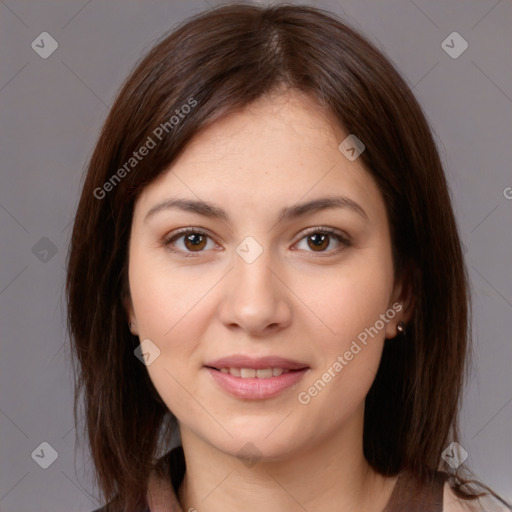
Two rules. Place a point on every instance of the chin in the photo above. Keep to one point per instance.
(255, 444)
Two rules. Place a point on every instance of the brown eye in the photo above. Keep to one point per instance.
(195, 241)
(320, 241)
(188, 241)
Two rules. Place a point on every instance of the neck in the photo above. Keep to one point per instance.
(330, 476)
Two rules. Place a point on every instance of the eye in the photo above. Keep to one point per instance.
(194, 240)
(320, 238)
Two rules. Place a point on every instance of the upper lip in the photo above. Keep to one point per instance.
(258, 363)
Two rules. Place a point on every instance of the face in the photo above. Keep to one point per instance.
(271, 311)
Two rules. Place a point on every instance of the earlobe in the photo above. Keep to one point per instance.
(401, 329)
(128, 307)
(403, 295)
(396, 328)
(132, 323)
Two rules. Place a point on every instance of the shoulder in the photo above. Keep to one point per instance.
(452, 503)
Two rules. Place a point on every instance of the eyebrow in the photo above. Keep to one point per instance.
(291, 212)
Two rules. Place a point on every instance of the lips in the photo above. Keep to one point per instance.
(256, 378)
(256, 363)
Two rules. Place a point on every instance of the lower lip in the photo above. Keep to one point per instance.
(254, 388)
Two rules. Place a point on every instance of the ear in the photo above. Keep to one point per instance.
(402, 302)
(130, 313)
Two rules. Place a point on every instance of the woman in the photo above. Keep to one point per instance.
(265, 259)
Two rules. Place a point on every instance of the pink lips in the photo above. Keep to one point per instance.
(241, 361)
(256, 388)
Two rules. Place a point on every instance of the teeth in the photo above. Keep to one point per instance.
(264, 374)
(251, 373)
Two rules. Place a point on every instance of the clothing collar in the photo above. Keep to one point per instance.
(165, 480)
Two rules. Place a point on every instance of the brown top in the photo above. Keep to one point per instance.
(406, 497)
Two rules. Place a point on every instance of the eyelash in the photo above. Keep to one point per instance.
(167, 241)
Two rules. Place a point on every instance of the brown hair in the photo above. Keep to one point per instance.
(223, 60)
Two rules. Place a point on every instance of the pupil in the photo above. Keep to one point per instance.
(197, 237)
(318, 239)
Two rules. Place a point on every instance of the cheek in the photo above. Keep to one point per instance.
(165, 307)
(349, 359)
(350, 299)
(350, 304)
(163, 298)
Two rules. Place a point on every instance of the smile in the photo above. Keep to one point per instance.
(248, 373)
(255, 384)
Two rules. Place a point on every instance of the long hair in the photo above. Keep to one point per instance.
(217, 63)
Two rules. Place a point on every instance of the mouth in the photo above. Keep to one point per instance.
(256, 378)
(251, 373)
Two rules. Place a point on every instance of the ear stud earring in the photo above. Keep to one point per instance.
(400, 329)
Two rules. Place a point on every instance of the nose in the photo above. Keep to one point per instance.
(255, 298)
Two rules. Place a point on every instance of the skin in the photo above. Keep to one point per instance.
(292, 301)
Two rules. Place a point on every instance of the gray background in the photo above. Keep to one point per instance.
(51, 112)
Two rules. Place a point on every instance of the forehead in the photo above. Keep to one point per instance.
(278, 150)
(288, 127)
